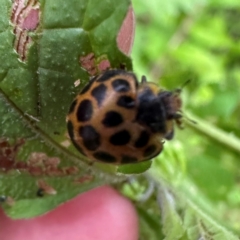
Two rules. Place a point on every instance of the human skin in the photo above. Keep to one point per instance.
(101, 214)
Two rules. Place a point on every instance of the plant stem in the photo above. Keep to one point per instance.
(227, 140)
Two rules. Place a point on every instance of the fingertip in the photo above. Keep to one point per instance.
(101, 213)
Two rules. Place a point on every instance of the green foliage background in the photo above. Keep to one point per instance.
(178, 40)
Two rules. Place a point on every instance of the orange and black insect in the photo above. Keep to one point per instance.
(115, 119)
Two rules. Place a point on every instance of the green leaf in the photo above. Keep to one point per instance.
(199, 225)
(184, 218)
(134, 168)
(150, 228)
(41, 59)
(171, 221)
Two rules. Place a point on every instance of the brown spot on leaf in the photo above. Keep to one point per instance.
(88, 63)
(38, 163)
(94, 66)
(25, 19)
(10, 201)
(8, 154)
(70, 170)
(45, 187)
(7, 200)
(41, 164)
(104, 65)
(84, 179)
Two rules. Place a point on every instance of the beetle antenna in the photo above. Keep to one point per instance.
(185, 84)
(179, 90)
(188, 119)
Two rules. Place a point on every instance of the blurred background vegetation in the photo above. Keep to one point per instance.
(178, 40)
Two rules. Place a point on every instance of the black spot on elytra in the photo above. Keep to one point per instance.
(104, 157)
(126, 102)
(120, 138)
(71, 135)
(121, 85)
(88, 86)
(128, 159)
(117, 72)
(72, 107)
(91, 138)
(142, 140)
(99, 93)
(112, 119)
(85, 110)
(149, 151)
(107, 75)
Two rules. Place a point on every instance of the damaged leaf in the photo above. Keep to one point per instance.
(48, 51)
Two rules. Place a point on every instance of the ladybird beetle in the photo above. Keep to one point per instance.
(115, 119)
